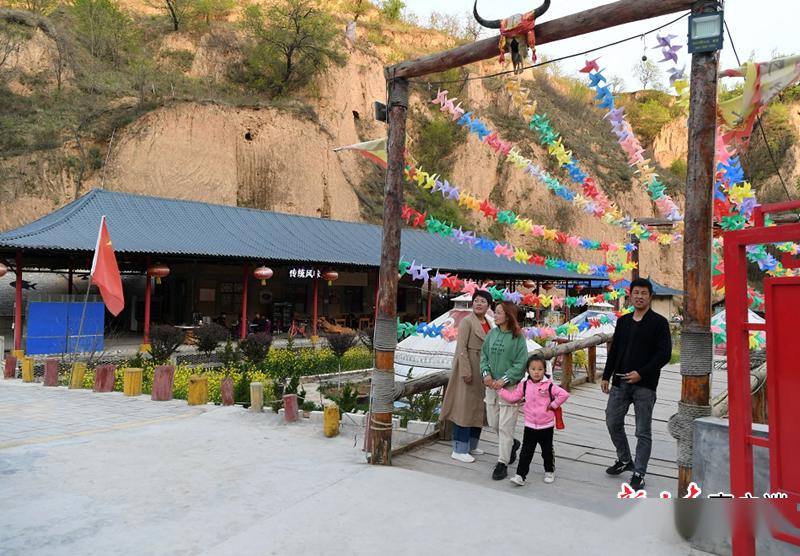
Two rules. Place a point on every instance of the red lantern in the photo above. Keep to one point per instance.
(158, 271)
(547, 286)
(609, 288)
(3, 270)
(530, 284)
(330, 276)
(579, 287)
(263, 273)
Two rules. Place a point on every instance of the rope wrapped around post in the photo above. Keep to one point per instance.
(696, 360)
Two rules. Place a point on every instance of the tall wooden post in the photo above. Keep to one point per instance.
(696, 340)
(382, 395)
(243, 323)
(70, 277)
(18, 305)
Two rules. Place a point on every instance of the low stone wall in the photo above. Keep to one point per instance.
(711, 472)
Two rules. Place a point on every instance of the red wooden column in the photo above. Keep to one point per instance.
(18, 305)
(148, 291)
(314, 313)
(430, 295)
(245, 280)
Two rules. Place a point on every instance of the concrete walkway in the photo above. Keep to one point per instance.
(100, 474)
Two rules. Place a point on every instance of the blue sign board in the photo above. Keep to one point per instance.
(53, 327)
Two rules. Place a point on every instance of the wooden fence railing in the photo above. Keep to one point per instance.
(566, 350)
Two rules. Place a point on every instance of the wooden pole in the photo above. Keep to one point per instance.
(69, 278)
(602, 17)
(381, 398)
(18, 305)
(696, 344)
(243, 323)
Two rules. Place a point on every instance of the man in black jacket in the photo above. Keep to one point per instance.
(641, 347)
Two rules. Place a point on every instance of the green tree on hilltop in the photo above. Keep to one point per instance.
(290, 43)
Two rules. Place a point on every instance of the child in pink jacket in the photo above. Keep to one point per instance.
(541, 397)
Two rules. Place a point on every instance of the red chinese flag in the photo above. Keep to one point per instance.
(105, 272)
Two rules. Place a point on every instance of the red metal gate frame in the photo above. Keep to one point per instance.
(739, 398)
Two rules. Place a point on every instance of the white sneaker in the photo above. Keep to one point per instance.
(477, 452)
(466, 458)
(517, 480)
(549, 477)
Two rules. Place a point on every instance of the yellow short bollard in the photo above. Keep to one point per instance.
(132, 382)
(18, 353)
(330, 420)
(256, 397)
(198, 390)
(27, 369)
(78, 372)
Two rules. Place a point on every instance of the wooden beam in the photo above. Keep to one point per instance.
(595, 19)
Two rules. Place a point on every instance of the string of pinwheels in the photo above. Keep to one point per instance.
(434, 226)
(589, 201)
(485, 208)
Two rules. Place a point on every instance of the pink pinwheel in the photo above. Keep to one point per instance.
(441, 97)
(469, 287)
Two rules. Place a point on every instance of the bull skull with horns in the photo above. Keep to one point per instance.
(516, 33)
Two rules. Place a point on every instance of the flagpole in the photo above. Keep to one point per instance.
(85, 300)
(80, 328)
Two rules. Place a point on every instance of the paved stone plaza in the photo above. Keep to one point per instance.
(85, 473)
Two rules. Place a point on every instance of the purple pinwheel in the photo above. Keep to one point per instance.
(670, 53)
(616, 116)
(675, 74)
(437, 186)
(438, 278)
(454, 194)
(515, 297)
(458, 235)
(419, 272)
(665, 41)
(446, 189)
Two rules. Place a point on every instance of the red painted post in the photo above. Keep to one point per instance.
(148, 291)
(51, 372)
(226, 387)
(104, 378)
(290, 408)
(163, 382)
(314, 314)
(18, 305)
(10, 370)
(245, 279)
(430, 295)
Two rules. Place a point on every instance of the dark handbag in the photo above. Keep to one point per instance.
(557, 411)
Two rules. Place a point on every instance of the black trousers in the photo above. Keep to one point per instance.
(532, 437)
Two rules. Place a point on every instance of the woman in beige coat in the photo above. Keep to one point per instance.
(463, 401)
